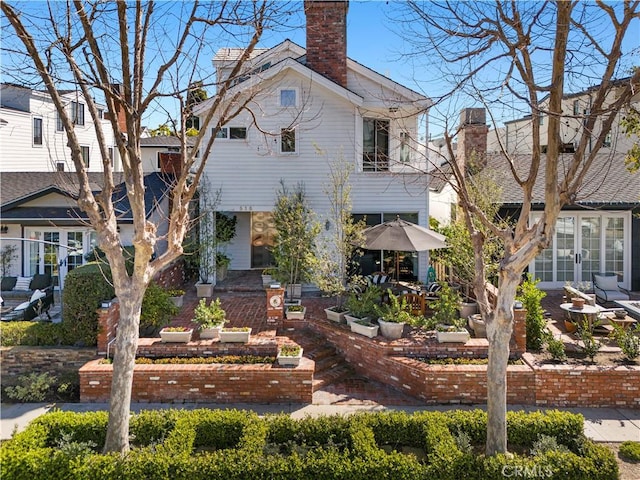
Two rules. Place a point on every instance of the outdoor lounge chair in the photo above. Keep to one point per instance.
(607, 289)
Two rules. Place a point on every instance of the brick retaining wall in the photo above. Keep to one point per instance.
(18, 361)
(204, 383)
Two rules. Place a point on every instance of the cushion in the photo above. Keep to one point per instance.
(8, 283)
(40, 281)
(22, 283)
(36, 295)
(378, 279)
(22, 306)
(434, 287)
(609, 282)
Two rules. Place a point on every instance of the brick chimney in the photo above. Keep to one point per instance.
(170, 162)
(120, 116)
(472, 138)
(327, 38)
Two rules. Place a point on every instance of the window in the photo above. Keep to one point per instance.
(101, 113)
(287, 140)
(607, 140)
(404, 148)
(232, 133)
(77, 113)
(59, 125)
(110, 150)
(375, 145)
(85, 155)
(541, 120)
(576, 107)
(287, 98)
(37, 131)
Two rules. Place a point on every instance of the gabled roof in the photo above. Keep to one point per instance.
(19, 188)
(297, 62)
(608, 182)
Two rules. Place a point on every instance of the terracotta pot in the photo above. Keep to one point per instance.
(577, 302)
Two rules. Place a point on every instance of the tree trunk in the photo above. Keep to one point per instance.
(117, 439)
(499, 330)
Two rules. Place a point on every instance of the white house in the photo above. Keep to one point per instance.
(311, 107)
(32, 137)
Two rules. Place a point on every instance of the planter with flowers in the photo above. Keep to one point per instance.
(295, 312)
(449, 326)
(235, 334)
(289, 355)
(210, 318)
(176, 296)
(176, 334)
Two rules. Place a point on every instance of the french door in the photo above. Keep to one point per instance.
(55, 251)
(585, 243)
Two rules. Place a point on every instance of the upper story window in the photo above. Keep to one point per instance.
(375, 145)
(85, 155)
(101, 113)
(288, 97)
(59, 124)
(232, 133)
(77, 113)
(405, 151)
(288, 140)
(607, 140)
(110, 152)
(576, 107)
(37, 131)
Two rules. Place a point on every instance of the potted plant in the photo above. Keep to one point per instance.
(176, 295)
(294, 242)
(364, 327)
(362, 306)
(210, 318)
(295, 312)
(216, 229)
(339, 242)
(478, 325)
(289, 355)
(453, 332)
(267, 277)
(449, 326)
(235, 334)
(176, 334)
(157, 310)
(393, 316)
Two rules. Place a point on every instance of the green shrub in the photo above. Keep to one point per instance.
(524, 428)
(157, 307)
(630, 450)
(85, 288)
(34, 387)
(531, 296)
(235, 445)
(34, 334)
(628, 340)
(555, 347)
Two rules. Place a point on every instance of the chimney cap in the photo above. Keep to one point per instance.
(473, 116)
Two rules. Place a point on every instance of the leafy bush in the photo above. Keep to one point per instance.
(157, 307)
(555, 347)
(85, 288)
(531, 297)
(628, 340)
(32, 388)
(630, 450)
(234, 445)
(34, 334)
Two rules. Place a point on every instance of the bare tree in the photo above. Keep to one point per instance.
(137, 56)
(505, 54)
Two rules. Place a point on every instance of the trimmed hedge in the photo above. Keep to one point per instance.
(34, 334)
(235, 445)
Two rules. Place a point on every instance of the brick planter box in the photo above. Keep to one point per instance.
(204, 383)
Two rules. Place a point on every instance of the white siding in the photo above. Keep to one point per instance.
(19, 154)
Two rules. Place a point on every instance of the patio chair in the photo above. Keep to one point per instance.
(607, 289)
(415, 303)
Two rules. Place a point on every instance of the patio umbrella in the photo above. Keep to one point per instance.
(401, 236)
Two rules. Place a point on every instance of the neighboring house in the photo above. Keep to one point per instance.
(598, 232)
(157, 150)
(313, 106)
(32, 137)
(575, 107)
(41, 206)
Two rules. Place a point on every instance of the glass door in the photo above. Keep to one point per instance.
(584, 244)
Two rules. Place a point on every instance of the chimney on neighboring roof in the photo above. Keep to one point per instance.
(120, 116)
(472, 139)
(327, 38)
